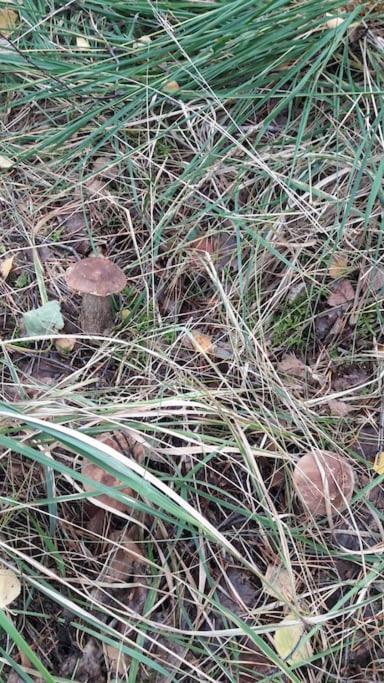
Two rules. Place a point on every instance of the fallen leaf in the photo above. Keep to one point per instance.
(281, 583)
(350, 377)
(291, 365)
(339, 408)
(252, 659)
(82, 43)
(287, 641)
(236, 590)
(10, 586)
(367, 442)
(172, 86)
(338, 267)
(200, 342)
(105, 166)
(124, 558)
(334, 22)
(221, 249)
(46, 319)
(65, 344)
(117, 661)
(143, 41)
(87, 666)
(8, 21)
(342, 293)
(6, 267)
(5, 162)
(373, 279)
(379, 463)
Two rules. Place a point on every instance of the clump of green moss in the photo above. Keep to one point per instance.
(290, 323)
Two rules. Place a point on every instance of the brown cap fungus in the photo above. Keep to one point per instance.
(95, 275)
(323, 480)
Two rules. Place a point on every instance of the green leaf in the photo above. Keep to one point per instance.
(290, 643)
(46, 319)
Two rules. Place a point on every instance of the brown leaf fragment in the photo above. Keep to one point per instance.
(349, 378)
(6, 266)
(339, 408)
(291, 365)
(87, 666)
(237, 590)
(373, 279)
(338, 267)
(255, 666)
(366, 444)
(116, 660)
(342, 293)
(106, 166)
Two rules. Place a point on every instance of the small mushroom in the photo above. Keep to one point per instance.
(323, 481)
(96, 278)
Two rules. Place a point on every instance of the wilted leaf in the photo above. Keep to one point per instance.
(6, 267)
(105, 166)
(82, 43)
(10, 586)
(338, 267)
(342, 293)
(350, 377)
(8, 21)
(291, 365)
(287, 641)
(339, 408)
(46, 319)
(65, 344)
(379, 463)
(373, 279)
(117, 661)
(5, 162)
(200, 342)
(87, 666)
(334, 22)
(172, 86)
(281, 583)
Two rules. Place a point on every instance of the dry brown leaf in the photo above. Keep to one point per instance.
(123, 559)
(347, 378)
(172, 86)
(117, 661)
(65, 344)
(373, 279)
(6, 266)
(338, 267)
(200, 342)
(291, 365)
(339, 408)
(8, 21)
(342, 293)
(87, 666)
(281, 583)
(105, 166)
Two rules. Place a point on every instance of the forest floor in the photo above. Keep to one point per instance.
(227, 155)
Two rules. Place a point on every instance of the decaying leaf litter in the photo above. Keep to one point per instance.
(192, 486)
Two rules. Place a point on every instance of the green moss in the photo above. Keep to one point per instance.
(289, 324)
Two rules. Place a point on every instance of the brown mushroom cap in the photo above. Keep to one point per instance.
(323, 480)
(95, 275)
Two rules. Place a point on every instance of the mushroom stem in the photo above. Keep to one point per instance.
(96, 315)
